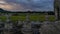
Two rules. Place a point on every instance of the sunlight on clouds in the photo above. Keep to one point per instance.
(2, 2)
(9, 6)
(25, 5)
(6, 7)
(12, 6)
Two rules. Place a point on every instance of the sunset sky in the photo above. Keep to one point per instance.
(24, 5)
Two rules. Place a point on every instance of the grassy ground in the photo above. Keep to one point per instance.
(32, 17)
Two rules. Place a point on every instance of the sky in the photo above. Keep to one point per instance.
(25, 5)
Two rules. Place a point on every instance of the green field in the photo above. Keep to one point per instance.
(31, 18)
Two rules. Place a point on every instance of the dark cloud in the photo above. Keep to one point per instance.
(46, 5)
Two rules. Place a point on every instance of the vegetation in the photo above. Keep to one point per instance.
(14, 18)
(3, 18)
(52, 18)
(22, 14)
(33, 18)
(37, 18)
(22, 18)
(42, 18)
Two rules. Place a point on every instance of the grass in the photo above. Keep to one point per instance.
(33, 17)
(3, 18)
(37, 18)
(52, 18)
(16, 18)
(22, 14)
(22, 18)
(42, 18)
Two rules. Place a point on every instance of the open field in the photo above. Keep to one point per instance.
(30, 17)
(22, 23)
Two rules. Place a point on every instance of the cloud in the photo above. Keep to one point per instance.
(10, 6)
(24, 5)
(6, 6)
